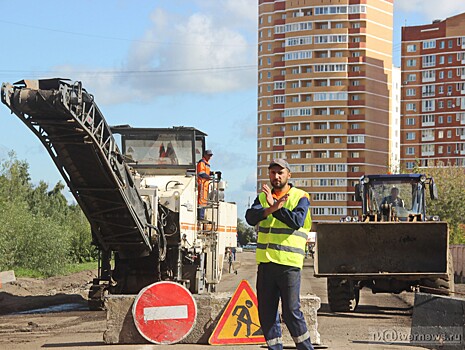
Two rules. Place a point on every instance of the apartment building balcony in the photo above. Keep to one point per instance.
(427, 94)
(462, 152)
(359, 59)
(278, 133)
(278, 106)
(429, 80)
(427, 153)
(279, 6)
(356, 131)
(425, 124)
(427, 138)
(279, 49)
(357, 15)
(278, 148)
(279, 64)
(355, 145)
(278, 120)
(462, 137)
(353, 204)
(358, 45)
(356, 102)
(279, 21)
(352, 88)
(357, 30)
(355, 160)
(357, 174)
(356, 74)
(356, 117)
(278, 78)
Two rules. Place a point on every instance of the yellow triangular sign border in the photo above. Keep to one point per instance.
(216, 339)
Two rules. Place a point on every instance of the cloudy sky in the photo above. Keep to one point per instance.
(155, 64)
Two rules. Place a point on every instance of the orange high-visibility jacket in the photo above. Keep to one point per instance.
(203, 181)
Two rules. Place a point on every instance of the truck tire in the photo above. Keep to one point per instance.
(440, 286)
(343, 296)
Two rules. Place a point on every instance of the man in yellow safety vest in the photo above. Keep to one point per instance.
(284, 221)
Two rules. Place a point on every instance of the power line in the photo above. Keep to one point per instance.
(95, 36)
(134, 72)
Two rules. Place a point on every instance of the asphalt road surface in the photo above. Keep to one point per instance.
(371, 326)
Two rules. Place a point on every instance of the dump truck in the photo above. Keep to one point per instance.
(136, 186)
(393, 247)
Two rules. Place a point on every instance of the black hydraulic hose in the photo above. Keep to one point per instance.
(162, 241)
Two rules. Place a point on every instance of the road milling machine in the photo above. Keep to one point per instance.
(393, 247)
(141, 201)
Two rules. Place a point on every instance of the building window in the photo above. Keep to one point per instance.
(429, 61)
(411, 63)
(411, 48)
(429, 44)
(410, 165)
(410, 151)
(411, 107)
(410, 121)
(410, 92)
(356, 139)
(427, 105)
(411, 77)
(410, 136)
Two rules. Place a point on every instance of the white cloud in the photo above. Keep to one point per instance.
(431, 9)
(182, 54)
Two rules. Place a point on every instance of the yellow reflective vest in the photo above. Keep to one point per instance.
(277, 242)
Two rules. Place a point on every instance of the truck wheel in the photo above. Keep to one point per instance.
(343, 296)
(442, 286)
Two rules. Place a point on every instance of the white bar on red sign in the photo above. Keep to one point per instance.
(165, 313)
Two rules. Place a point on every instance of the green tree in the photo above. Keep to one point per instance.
(450, 181)
(245, 233)
(39, 230)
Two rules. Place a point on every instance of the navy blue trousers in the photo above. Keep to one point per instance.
(276, 282)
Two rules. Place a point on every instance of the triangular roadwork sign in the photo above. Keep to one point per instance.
(239, 322)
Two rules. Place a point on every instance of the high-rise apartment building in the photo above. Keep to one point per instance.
(433, 93)
(324, 84)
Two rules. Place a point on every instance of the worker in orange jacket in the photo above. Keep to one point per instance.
(203, 181)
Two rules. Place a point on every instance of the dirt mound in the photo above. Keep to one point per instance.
(33, 293)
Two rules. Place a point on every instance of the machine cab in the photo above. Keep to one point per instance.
(161, 150)
(404, 193)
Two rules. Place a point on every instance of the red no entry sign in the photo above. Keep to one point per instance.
(164, 312)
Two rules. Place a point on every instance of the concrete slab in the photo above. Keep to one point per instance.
(7, 277)
(121, 329)
(438, 322)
